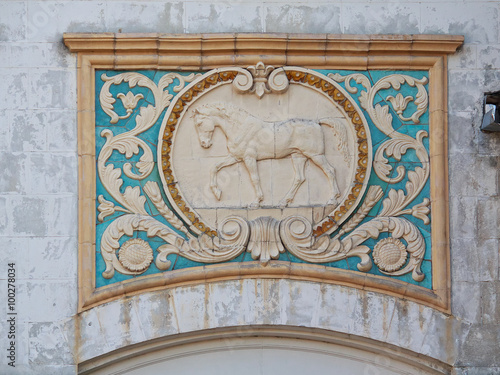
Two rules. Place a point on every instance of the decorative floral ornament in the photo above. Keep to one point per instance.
(420, 211)
(107, 208)
(399, 102)
(135, 255)
(130, 100)
(261, 79)
(389, 254)
(260, 73)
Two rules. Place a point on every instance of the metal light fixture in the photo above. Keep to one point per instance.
(491, 110)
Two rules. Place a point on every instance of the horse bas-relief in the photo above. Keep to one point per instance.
(250, 139)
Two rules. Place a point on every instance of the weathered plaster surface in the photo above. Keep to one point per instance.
(271, 302)
(38, 227)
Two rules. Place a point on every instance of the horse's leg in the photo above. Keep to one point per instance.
(299, 163)
(251, 164)
(329, 171)
(230, 160)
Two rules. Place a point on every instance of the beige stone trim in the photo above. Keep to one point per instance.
(438, 150)
(86, 179)
(274, 270)
(206, 51)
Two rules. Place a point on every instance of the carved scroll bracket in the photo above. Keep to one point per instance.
(261, 79)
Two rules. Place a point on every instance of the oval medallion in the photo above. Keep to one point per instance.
(264, 142)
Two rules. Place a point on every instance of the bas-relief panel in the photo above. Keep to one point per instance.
(327, 167)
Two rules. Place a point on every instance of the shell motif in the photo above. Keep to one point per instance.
(389, 254)
(135, 255)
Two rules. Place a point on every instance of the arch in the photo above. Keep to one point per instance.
(263, 350)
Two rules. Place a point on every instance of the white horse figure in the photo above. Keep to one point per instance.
(250, 139)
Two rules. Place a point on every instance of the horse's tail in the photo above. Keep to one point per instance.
(341, 133)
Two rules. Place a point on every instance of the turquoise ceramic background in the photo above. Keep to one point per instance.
(409, 160)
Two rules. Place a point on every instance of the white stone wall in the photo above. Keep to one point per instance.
(38, 182)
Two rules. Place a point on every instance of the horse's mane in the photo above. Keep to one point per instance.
(224, 110)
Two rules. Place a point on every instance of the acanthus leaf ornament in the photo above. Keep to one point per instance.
(297, 237)
(397, 201)
(265, 242)
(128, 143)
(399, 143)
(231, 241)
(127, 225)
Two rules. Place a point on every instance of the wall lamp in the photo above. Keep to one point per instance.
(491, 113)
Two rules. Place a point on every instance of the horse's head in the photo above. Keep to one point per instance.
(205, 122)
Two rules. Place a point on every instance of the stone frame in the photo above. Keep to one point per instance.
(204, 52)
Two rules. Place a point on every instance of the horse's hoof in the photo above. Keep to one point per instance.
(283, 203)
(217, 192)
(254, 205)
(333, 201)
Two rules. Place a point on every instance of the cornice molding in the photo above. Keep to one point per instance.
(205, 51)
